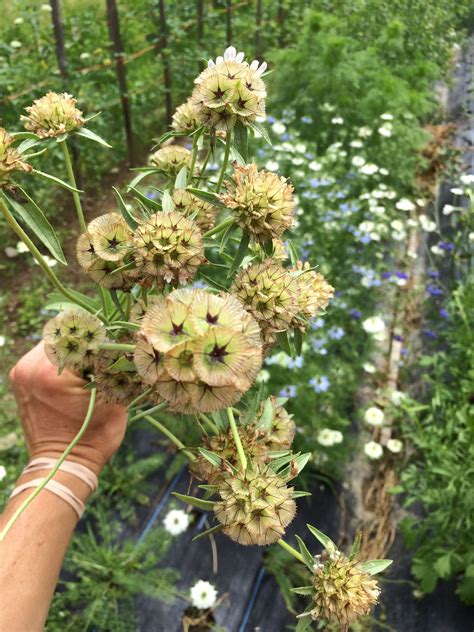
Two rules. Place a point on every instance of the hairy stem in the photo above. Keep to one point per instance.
(228, 144)
(291, 550)
(56, 467)
(72, 180)
(238, 442)
(181, 447)
(15, 226)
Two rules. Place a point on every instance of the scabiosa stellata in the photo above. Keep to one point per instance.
(255, 506)
(110, 236)
(72, 338)
(53, 115)
(203, 213)
(117, 384)
(262, 202)
(313, 293)
(168, 248)
(185, 118)
(170, 159)
(343, 590)
(10, 159)
(229, 90)
(268, 291)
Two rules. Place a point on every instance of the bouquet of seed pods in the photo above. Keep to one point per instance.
(195, 281)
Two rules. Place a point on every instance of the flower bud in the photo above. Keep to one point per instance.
(53, 115)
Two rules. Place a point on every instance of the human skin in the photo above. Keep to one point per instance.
(52, 408)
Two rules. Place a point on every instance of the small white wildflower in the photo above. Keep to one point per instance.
(383, 171)
(297, 161)
(314, 166)
(327, 437)
(467, 178)
(373, 325)
(357, 144)
(412, 222)
(397, 397)
(374, 416)
(397, 224)
(399, 236)
(279, 128)
(271, 165)
(457, 191)
(203, 595)
(3, 472)
(16, 44)
(84, 56)
(337, 120)
(471, 236)
(358, 161)
(18, 21)
(427, 224)
(369, 169)
(176, 521)
(263, 376)
(337, 436)
(11, 252)
(385, 130)
(300, 148)
(386, 116)
(373, 450)
(364, 132)
(2, 341)
(405, 204)
(448, 209)
(21, 247)
(368, 367)
(46, 7)
(394, 445)
(436, 250)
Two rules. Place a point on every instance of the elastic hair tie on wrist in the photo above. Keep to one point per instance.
(77, 469)
(56, 488)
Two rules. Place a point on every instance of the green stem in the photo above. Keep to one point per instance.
(150, 411)
(209, 422)
(238, 442)
(140, 398)
(116, 346)
(59, 462)
(228, 144)
(219, 228)
(181, 447)
(291, 550)
(11, 221)
(193, 158)
(72, 180)
(204, 164)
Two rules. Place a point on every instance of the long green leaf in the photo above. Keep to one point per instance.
(49, 178)
(210, 531)
(240, 254)
(36, 221)
(151, 204)
(376, 566)
(305, 553)
(128, 217)
(258, 127)
(241, 140)
(303, 590)
(207, 505)
(138, 178)
(207, 196)
(181, 179)
(323, 539)
(87, 133)
(56, 297)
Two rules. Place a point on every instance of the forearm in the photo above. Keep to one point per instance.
(32, 553)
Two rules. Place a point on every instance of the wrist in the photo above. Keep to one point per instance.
(77, 486)
(86, 456)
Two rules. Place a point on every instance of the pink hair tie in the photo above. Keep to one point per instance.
(77, 469)
(56, 488)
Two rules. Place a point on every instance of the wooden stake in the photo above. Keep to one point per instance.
(162, 49)
(258, 30)
(229, 22)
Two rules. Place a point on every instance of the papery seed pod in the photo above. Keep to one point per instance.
(280, 435)
(268, 292)
(72, 338)
(203, 213)
(343, 591)
(262, 202)
(168, 248)
(110, 275)
(206, 350)
(314, 292)
(110, 236)
(255, 506)
(53, 115)
(185, 118)
(170, 159)
(229, 90)
(85, 251)
(117, 384)
(10, 159)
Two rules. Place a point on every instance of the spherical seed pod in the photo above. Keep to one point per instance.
(314, 292)
(170, 159)
(10, 159)
(53, 115)
(185, 118)
(203, 213)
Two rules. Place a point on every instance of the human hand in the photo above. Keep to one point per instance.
(53, 407)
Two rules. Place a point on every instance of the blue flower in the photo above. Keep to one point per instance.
(306, 119)
(318, 346)
(296, 363)
(429, 333)
(398, 338)
(446, 245)
(320, 384)
(152, 195)
(434, 274)
(434, 290)
(444, 313)
(401, 275)
(317, 324)
(336, 333)
(288, 391)
(355, 313)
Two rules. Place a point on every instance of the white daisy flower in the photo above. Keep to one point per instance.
(3, 472)
(374, 416)
(364, 132)
(386, 116)
(314, 166)
(457, 191)
(337, 120)
(467, 178)
(368, 367)
(404, 204)
(2, 341)
(203, 595)
(373, 450)
(357, 144)
(16, 44)
(176, 521)
(427, 224)
(327, 437)
(373, 325)
(358, 161)
(369, 169)
(397, 397)
(279, 128)
(394, 445)
(385, 130)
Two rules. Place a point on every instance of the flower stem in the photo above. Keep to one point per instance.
(209, 422)
(219, 228)
(238, 442)
(228, 144)
(181, 447)
(116, 346)
(193, 158)
(56, 467)
(150, 411)
(72, 180)
(291, 550)
(11, 221)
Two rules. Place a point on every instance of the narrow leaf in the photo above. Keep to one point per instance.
(49, 178)
(323, 539)
(258, 127)
(167, 202)
(266, 420)
(36, 221)
(241, 140)
(303, 590)
(128, 217)
(87, 133)
(155, 206)
(213, 458)
(240, 254)
(181, 179)
(300, 493)
(292, 252)
(207, 196)
(207, 505)
(93, 304)
(308, 558)
(298, 340)
(138, 178)
(284, 342)
(210, 531)
(376, 566)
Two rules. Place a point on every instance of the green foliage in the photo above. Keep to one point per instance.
(441, 475)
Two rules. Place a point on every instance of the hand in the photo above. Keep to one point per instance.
(53, 407)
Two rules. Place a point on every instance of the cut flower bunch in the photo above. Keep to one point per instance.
(194, 286)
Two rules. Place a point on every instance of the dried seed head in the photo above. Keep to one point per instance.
(10, 159)
(201, 351)
(256, 506)
(280, 435)
(313, 293)
(110, 236)
(268, 292)
(117, 385)
(53, 115)
(261, 200)
(72, 338)
(343, 591)
(185, 118)
(171, 159)
(168, 248)
(203, 213)
(229, 90)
